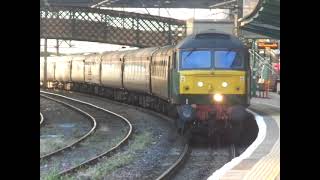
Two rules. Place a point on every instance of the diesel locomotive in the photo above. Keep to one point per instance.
(203, 81)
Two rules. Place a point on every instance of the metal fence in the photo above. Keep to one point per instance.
(109, 26)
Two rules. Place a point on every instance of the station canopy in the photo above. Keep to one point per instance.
(136, 3)
(264, 20)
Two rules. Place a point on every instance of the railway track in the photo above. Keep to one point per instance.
(176, 165)
(93, 122)
(232, 151)
(174, 168)
(97, 113)
(41, 118)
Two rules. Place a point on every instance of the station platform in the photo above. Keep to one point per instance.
(261, 160)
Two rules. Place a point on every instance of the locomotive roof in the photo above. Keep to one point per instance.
(210, 40)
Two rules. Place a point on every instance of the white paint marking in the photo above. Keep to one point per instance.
(261, 135)
(267, 104)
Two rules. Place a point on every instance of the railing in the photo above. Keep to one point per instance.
(263, 62)
(109, 26)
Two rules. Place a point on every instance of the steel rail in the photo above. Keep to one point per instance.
(106, 153)
(41, 118)
(176, 165)
(232, 151)
(94, 126)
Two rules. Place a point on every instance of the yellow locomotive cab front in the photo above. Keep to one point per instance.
(212, 82)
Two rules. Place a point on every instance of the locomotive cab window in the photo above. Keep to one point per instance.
(195, 59)
(228, 60)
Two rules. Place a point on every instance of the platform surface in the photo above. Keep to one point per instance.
(264, 162)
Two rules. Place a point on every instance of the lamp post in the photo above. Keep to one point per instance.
(45, 64)
(237, 14)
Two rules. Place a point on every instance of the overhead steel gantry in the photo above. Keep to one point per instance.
(136, 3)
(265, 19)
(109, 26)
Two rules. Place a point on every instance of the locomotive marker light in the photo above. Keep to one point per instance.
(218, 97)
(224, 84)
(182, 79)
(200, 84)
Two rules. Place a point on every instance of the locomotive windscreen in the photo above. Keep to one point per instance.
(196, 59)
(227, 60)
(210, 59)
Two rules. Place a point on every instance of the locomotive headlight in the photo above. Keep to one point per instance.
(224, 84)
(200, 84)
(218, 97)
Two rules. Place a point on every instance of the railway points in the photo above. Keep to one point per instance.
(63, 126)
(158, 125)
(86, 135)
(106, 119)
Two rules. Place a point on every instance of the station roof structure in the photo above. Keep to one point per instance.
(137, 3)
(264, 20)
